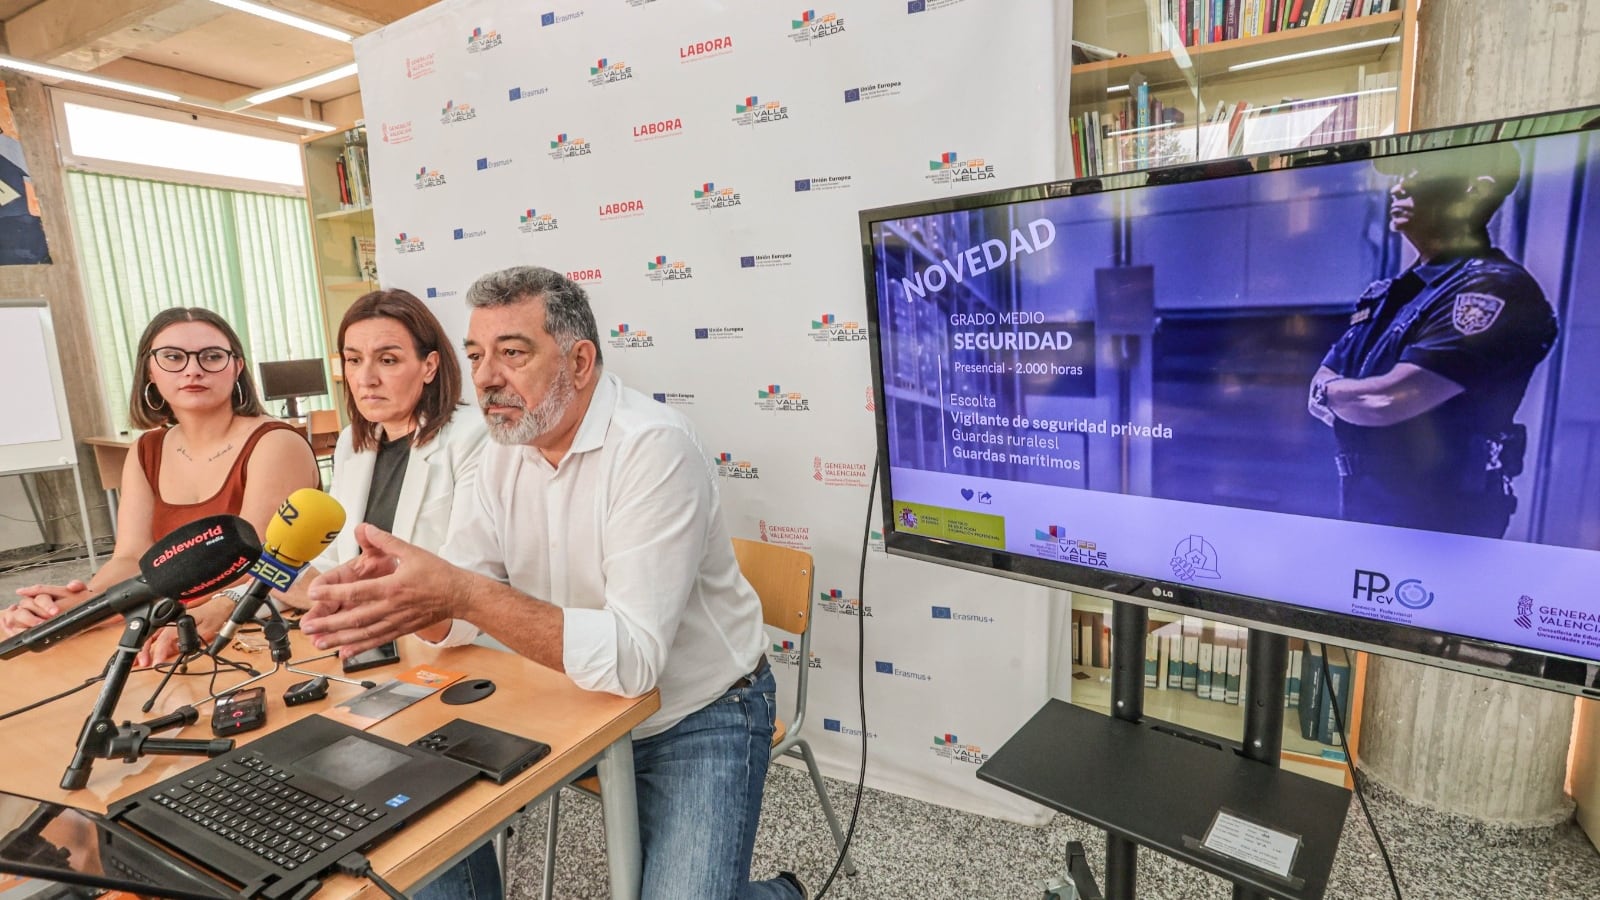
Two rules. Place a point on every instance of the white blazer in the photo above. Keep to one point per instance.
(437, 473)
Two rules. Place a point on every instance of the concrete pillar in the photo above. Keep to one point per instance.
(1460, 743)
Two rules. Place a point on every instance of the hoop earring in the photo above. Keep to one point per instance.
(154, 406)
(238, 390)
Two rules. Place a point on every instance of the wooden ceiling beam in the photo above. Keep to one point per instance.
(86, 34)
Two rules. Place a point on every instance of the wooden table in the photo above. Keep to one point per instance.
(581, 727)
(110, 453)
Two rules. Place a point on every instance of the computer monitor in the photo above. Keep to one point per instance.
(292, 379)
(1228, 388)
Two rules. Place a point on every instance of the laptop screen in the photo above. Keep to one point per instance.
(62, 844)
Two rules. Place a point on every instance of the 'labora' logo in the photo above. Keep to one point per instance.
(533, 222)
(566, 147)
(772, 398)
(673, 398)
(728, 467)
(419, 66)
(811, 27)
(1374, 588)
(709, 196)
(950, 169)
(622, 209)
(427, 179)
(889, 668)
(823, 183)
(787, 654)
(661, 271)
(605, 71)
(948, 746)
(752, 110)
(719, 333)
(456, 112)
(649, 131)
(838, 474)
(480, 40)
(766, 260)
(586, 276)
(875, 91)
(834, 601)
(828, 329)
(397, 133)
(550, 18)
(839, 727)
(971, 261)
(950, 615)
(405, 244)
(796, 536)
(626, 337)
(705, 49)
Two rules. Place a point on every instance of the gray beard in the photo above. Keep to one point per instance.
(533, 423)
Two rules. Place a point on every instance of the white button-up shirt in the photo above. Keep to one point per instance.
(626, 535)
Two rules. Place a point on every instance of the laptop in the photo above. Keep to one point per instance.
(276, 814)
(50, 845)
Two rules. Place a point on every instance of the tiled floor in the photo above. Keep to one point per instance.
(909, 849)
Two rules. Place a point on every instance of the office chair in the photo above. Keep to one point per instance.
(322, 430)
(783, 578)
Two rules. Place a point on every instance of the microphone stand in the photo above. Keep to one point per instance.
(101, 737)
(276, 631)
(190, 648)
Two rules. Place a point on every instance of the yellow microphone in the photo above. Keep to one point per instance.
(307, 521)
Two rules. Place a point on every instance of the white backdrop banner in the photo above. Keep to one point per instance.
(698, 167)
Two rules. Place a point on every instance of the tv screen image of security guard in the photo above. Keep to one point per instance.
(1348, 392)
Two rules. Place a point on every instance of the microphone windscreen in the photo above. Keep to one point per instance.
(306, 522)
(198, 558)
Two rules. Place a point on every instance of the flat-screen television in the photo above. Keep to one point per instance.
(1350, 392)
(292, 379)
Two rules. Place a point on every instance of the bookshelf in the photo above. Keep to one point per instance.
(1184, 706)
(1181, 94)
(339, 201)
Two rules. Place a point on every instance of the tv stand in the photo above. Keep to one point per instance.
(291, 408)
(1147, 786)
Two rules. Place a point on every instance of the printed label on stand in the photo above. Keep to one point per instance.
(1249, 842)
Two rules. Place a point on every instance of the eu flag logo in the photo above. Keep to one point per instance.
(748, 262)
(884, 668)
(516, 93)
(912, 6)
(433, 293)
(548, 18)
(852, 95)
(483, 163)
(700, 334)
(659, 398)
(460, 233)
(941, 612)
(830, 724)
(802, 184)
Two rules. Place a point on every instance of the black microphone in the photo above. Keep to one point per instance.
(307, 521)
(190, 562)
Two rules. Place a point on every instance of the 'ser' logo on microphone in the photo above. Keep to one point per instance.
(288, 513)
(272, 574)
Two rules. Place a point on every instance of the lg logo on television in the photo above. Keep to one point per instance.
(1374, 587)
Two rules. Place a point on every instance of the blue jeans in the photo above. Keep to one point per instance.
(700, 784)
(475, 878)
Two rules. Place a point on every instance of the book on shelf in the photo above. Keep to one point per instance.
(1203, 665)
(1191, 653)
(1194, 23)
(1152, 659)
(1310, 690)
(1337, 689)
(1085, 52)
(366, 249)
(1235, 680)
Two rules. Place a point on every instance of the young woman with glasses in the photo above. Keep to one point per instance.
(210, 449)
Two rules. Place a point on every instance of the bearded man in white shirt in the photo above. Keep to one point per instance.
(596, 547)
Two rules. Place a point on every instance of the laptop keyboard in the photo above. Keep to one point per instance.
(250, 803)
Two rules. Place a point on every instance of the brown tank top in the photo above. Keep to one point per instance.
(229, 498)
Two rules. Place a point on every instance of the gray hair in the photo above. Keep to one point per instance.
(567, 314)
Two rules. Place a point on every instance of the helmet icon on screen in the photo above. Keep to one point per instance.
(1194, 557)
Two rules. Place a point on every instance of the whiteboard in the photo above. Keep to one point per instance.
(35, 432)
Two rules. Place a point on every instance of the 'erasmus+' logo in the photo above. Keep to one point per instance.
(550, 18)
(605, 71)
(811, 27)
(950, 169)
(774, 399)
(838, 727)
(889, 668)
(1374, 587)
(752, 110)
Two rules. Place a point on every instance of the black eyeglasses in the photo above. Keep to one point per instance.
(176, 359)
